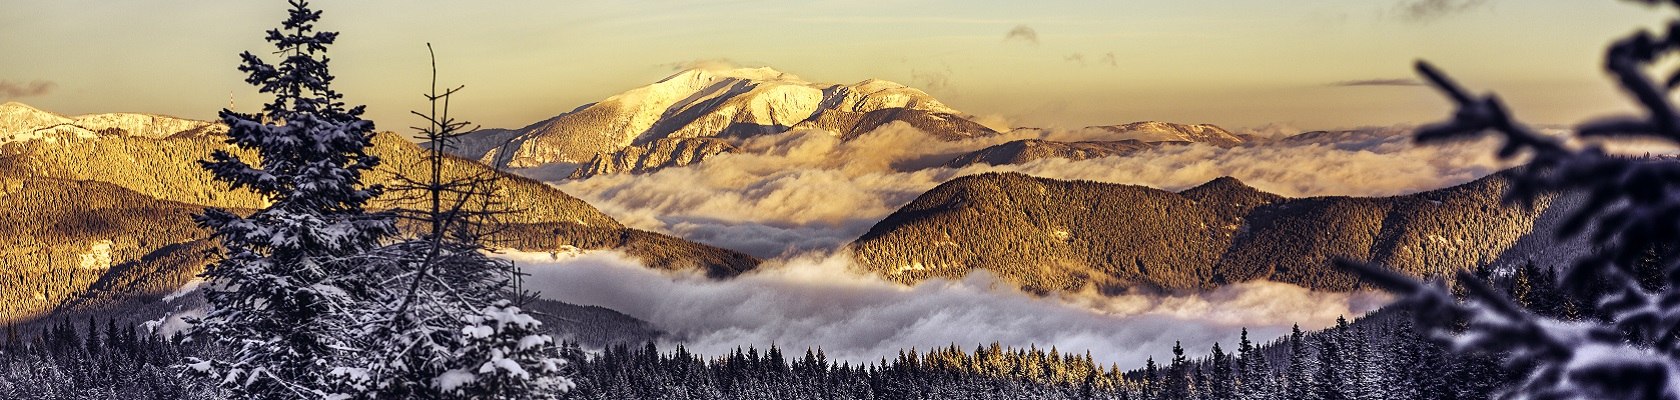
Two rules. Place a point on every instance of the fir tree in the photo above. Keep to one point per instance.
(1330, 380)
(288, 289)
(1177, 385)
(1301, 367)
(1223, 380)
(1253, 371)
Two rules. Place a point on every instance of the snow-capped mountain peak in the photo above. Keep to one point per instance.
(724, 103)
(21, 122)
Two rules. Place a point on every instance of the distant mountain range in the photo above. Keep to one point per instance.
(93, 204)
(712, 103)
(1048, 235)
(699, 113)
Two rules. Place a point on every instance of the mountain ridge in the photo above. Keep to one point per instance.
(716, 103)
(1047, 235)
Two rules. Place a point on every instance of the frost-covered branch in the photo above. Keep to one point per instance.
(1626, 345)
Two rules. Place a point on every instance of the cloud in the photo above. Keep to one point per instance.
(807, 190)
(1379, 82)
(1110, 59)
(1275, 130)
(1430, 10)
(1023, 33)
(819, 301)
(934, 80)
(13, 90)
(708, 64)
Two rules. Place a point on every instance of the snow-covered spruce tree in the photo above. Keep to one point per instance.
(1254, 373)
(1626, 342)
(447, 328)
(288, 292)
(1302, 365)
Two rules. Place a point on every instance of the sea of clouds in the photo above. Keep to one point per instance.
(797, 198)
(820, 301)
(807, 190)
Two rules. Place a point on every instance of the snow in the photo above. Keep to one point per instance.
(98, 256)
(478, 331)
(913, 266)
(530, 341)
(704, 103)
(186, 289)
(20, 122)
(506, 364)
(453, 380)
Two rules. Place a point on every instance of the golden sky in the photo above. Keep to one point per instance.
(1236, 63)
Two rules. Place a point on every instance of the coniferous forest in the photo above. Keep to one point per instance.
(1379, 356)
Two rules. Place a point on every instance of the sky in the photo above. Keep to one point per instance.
(1307, 64)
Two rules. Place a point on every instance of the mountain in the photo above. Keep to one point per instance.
(20, 122)
(1027, 150)
(716, 103)
(1122, 140)
(83, 210)
(64, 240)
(1154, 131)
(1048, 235)
(662, 153)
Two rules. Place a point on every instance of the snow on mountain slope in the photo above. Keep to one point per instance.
(723, 103)
(21, 122)
(1153, 131)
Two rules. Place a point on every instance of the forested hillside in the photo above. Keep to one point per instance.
(1049, 235)
(88, 226)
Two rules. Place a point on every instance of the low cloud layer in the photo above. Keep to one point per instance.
(14, 90)
(807, 190)
(817, 301)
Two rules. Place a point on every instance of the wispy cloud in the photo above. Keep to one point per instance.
(932, 80)
(12, 90)
(1380, 82)
(1110, 59)
(702, 63)
(1023, 33)
(1429, 10)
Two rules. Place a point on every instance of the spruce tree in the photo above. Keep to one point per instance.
(1302, 366)
(1330, 380)
(1177, 385)
(1223, 380)
(289, 289)
(1253, 371)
